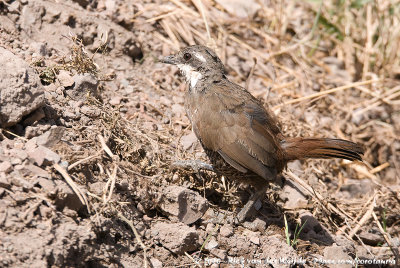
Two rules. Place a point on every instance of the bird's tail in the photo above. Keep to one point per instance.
(300, 148)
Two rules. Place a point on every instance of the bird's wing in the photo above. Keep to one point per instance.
(232, 122)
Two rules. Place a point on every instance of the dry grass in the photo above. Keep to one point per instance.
(294, 43)
(77, 62)
(332, 60)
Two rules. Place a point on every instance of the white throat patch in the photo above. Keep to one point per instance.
(191, 75)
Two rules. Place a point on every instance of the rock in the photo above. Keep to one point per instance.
(90, 111)
(182, 203)
(82, 3)
(239, 245)
(357, 116)
(165, 101)
(18, 179)
(219, 253)
(43, 156)
(34, 117)
(255, 240)
(39, 48)
(4, 182)
(277, 250)
(7, 25)
(7, 144)
(335, 256)
(65, 79)
(311, 222)
(51, 137)
(188, 140)
(357, 188)
(155, 263)
(18, 153)
(396, 241)
(5, 166)
(372, 238)
(296, 167)
(312, 229)
(256, 225)
(311, 118)
(16, 161)
(48, 186)
(66, 198)
(210, 227)
(293, 197)
(97, 188)
(129, 90)
(84, 84)
(123, 185)
(177, 237)
(226, 230)
(115, 100)
(20, 89)
(253, 236)
(37, 171)
(178, 109)
(336, 70)
(31, 16)
(31, 144)
(240, 8)
(64, 164)
(212, 243)
(216, 217)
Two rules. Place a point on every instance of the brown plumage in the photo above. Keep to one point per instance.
(228, 120)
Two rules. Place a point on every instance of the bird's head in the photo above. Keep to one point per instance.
(197, 63)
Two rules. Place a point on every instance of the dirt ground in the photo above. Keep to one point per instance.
(88, 174)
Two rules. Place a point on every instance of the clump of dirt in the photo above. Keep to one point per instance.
(88, 174)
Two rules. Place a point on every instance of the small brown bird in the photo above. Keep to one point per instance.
(228, 120)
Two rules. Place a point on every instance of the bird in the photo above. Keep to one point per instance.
(231, 124)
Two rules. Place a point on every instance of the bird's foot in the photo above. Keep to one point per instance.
(248, 210)
(254, 204)
(194, 165)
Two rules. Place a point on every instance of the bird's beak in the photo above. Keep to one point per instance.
(172, 59)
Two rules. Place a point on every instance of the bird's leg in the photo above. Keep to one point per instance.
(194, 165)
(253, 202)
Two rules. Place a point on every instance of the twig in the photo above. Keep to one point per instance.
(167, 14)
(199, 5)
(359, 239)
(379, 168)
(83, 160)
(184, 7)
(193, 260)
(387, 238)
(13, 134)
(130, 223)
(327, 205)
(251, 73)
(170, 33)
(72, 184)
(368, 43)
(365, 218)
(101, 200)
(111, 181)
(105, 147)
(141, 175)
(329, 91)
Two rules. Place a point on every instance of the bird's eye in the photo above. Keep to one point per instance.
(187, 56)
